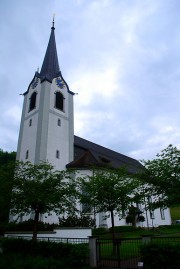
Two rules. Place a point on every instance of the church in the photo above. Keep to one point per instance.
(47, 131)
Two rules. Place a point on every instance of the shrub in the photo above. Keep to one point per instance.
(29, 226)
(157, 256)
(76, 221)
(68, 255)
(122, 229)
(99, 231)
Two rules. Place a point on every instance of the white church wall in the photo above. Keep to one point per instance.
(65, 233)
(28, 131)
(161, 217)
(59, 137)
(30, 143)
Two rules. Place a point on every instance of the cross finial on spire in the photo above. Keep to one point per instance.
(53, 21)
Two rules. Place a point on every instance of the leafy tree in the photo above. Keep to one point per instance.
(7, 164)
(134, 216)
(40, 189)
(76, 221)
(109, 190)
(163, 177)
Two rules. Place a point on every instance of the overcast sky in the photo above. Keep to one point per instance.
(122, 57)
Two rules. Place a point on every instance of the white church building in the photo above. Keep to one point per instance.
(47, 133)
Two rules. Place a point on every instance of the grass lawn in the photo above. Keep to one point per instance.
(168, 231)
(175, 213)
(131, 243)
(127, 249)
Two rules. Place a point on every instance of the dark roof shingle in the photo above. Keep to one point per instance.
(90, 154)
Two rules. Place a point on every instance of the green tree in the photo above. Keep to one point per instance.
(163, 177)
(134, 215)
(7, 164)
(40, 189)
(109, 190)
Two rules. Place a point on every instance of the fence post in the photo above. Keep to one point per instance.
(92, 251)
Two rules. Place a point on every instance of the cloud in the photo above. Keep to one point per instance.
(122, 57)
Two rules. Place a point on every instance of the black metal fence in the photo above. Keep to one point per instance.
(108, 253)
(120, 253)
(126, 253)
(166, 240)
(54, 239)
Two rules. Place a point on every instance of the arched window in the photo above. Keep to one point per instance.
(32, 104)
(59, 101)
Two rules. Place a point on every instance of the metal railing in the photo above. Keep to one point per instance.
(126, 253)
(54, 239)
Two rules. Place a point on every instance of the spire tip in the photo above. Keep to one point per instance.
(53, 21)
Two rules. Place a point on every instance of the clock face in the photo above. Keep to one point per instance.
(60, 83)
(34, 83)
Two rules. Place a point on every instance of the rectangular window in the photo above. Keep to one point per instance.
(86, 209)
(27, 154)
(139, 206)
(30, 122)
(162, 213)
(151, 211)
(57, 154)
(151, 214)
(59, 122)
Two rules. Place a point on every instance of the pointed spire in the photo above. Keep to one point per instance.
(50, 67)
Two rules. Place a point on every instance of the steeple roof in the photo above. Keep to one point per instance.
(50, 67)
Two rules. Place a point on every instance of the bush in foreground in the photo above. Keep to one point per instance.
(157, 256)
(20, 253)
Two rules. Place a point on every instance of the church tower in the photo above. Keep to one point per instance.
(47, 122)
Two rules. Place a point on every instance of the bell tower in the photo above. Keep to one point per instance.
(47, 122)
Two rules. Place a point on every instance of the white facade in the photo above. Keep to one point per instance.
(152, 219)
(45, 130)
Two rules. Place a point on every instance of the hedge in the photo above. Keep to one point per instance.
(166, 256)
(42, 253)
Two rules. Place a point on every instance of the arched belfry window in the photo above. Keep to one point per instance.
(32, 103)
(59, 101)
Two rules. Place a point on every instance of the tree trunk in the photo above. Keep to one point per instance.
(113, 234)
(36, 218)
(112, 222)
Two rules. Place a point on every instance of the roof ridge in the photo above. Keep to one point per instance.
(110, 150)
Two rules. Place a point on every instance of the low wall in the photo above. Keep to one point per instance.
(73, 232)
(57, 233)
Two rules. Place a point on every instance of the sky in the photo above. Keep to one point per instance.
(122, 57)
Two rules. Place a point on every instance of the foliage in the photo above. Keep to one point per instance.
(163, 177)
(40, 189)
(99, 231)
(108, 190)
(76, 221)
(7, 164)
(175, 213)
(28, 225)
(122, 229)
(46, 254)
(134, 216)
(157, 256)
(137, 232)
(140, 218)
